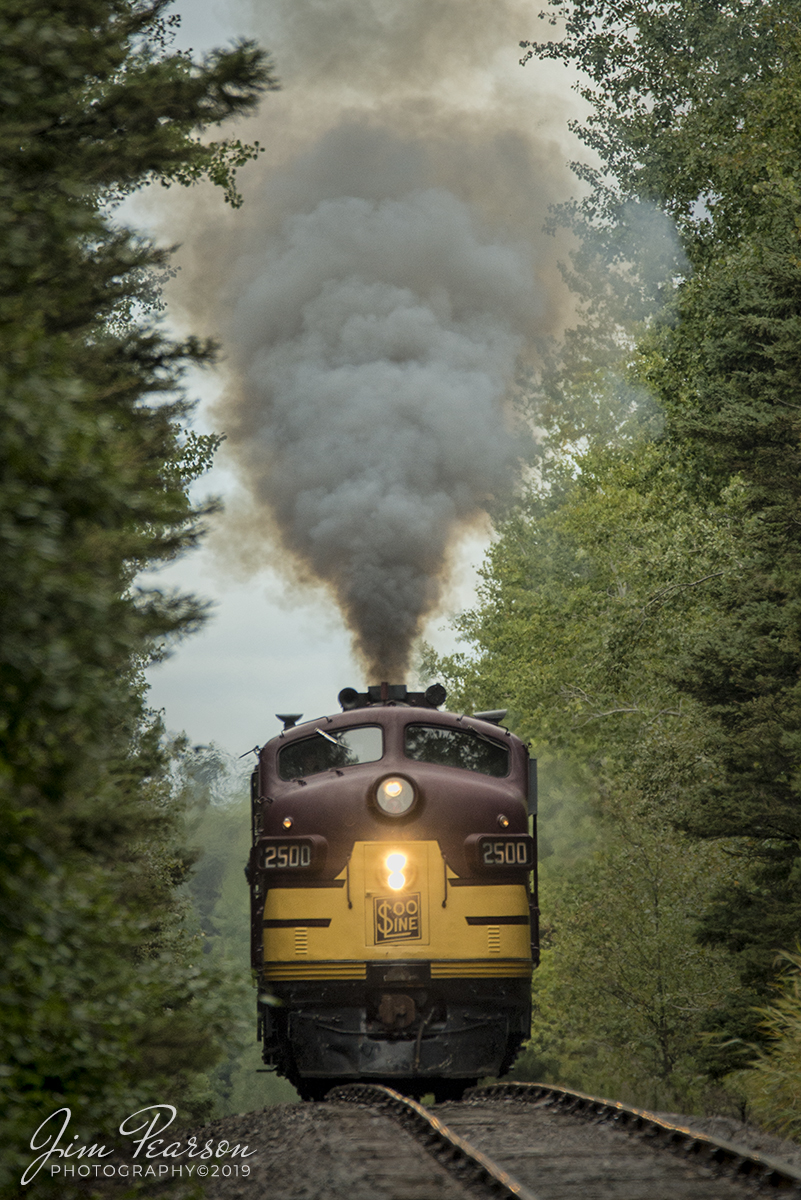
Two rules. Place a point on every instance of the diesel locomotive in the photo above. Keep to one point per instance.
(394, 920)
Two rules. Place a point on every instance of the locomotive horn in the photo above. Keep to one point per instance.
(290, 719)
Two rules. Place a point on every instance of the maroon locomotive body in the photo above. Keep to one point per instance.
(393, 894)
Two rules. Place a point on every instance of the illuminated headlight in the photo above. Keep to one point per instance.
(395, 863)
(394, 796)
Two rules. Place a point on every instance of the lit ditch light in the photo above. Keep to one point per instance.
(395, 863)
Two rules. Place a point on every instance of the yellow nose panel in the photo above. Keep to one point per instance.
(464, 927)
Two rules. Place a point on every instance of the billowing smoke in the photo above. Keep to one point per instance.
(375, 344)
(374, 296)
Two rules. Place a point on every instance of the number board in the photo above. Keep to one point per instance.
(397, 918)
(497, 853)
(290, 854)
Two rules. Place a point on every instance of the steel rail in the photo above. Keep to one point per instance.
(447, 1147)
(735, 1160)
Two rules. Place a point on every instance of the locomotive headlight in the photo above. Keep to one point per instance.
(394, 796)
(395, 863)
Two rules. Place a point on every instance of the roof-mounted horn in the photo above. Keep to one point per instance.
(494, 716)
(290, 719)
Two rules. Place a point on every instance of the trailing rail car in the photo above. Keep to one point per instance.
(393, 894)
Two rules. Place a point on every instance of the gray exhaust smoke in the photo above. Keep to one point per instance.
(374, 345)
(374, 295)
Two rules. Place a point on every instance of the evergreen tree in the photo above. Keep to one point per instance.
(102, 1003)
(695, 112)
(217, 791)
(640, 613)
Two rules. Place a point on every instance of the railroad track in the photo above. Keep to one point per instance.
(529, 1141)
(542, 1142)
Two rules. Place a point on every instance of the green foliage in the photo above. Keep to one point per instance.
(624, 989)
(217, 793)
(587, 596)
(688, 99)
(772, 1081)
(641, 613)
(106, 1006)
(102, 1005)
(85, 1003)
(96, 77)
(585, 599)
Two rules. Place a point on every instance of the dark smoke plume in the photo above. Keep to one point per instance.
(374, 296)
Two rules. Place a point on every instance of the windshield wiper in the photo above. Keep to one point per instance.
(328, 737)
(482, 736)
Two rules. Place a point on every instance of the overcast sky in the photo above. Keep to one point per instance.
(269, 647)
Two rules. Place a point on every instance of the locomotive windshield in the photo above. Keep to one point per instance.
(456, 748)
(327, 749)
